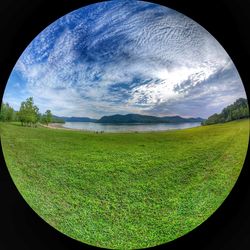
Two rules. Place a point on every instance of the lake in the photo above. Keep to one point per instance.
(91, 126)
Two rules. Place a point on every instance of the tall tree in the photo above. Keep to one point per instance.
(28, 113)
(47, 117)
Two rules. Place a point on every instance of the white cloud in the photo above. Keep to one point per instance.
(159, 55)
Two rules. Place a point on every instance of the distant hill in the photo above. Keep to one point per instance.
(136, 118)
(238, 110)
(56, 119)
(74, 119)
(179, 119)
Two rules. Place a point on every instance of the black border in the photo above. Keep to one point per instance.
(228, 21)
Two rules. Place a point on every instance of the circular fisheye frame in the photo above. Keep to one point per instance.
(124, 124)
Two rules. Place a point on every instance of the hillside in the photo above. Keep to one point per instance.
(238, 110)
(136, 118)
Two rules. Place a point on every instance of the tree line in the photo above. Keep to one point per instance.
(7, 113)
(28, 114)
(238, 110)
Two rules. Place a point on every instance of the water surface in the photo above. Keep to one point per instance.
(140, 127)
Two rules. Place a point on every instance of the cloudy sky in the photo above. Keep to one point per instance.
(122, 57)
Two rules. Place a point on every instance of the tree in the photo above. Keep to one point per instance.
(238, 110)
(47, 117)
(3, 115)
(28, 113)
(7, 113)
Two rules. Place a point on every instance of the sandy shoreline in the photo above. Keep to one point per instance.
(60, 126)
(57, 126)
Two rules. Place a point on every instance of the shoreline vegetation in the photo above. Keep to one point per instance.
(238, 110)
(132, 190)
(29, 115)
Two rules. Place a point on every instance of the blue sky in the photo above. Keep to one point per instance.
(120, 57)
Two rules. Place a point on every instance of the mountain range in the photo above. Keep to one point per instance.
(136, 118)
(132, 118)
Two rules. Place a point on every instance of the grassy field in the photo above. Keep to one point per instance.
(125, 190)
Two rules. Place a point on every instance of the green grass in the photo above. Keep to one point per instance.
(125, 190)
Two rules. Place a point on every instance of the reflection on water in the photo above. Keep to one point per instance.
(91, 126)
